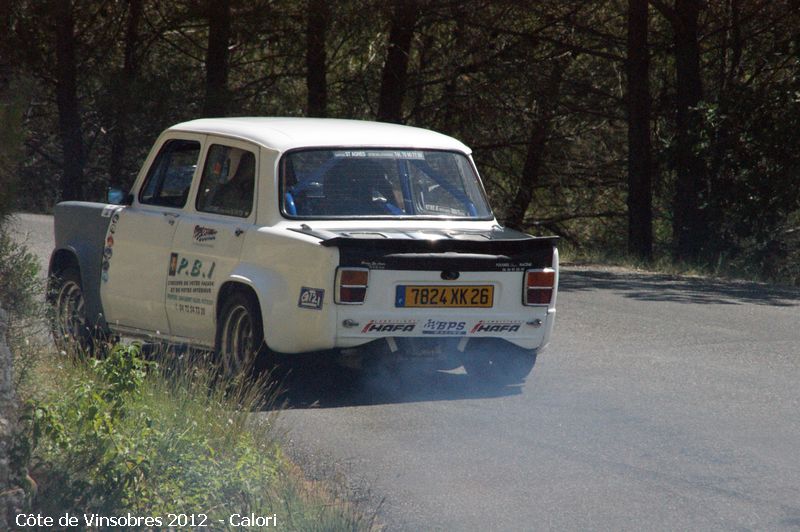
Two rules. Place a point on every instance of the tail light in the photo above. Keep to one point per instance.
(351, 286)
(538, 287)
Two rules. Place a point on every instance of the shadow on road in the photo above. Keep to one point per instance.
(658, 287)
(309, 382)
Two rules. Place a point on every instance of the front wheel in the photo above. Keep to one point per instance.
(498, 361)
(240, 344)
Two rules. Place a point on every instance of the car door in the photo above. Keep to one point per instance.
(209, 237)
(139, 240)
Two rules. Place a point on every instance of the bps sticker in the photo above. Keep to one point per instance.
(445, 328)
(311, 298)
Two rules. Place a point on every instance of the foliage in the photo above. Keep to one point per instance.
(746, 141)
(537, 89)
(19, 281)
(12, 107)
(123, 435)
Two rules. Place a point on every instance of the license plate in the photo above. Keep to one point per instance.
(480, 296)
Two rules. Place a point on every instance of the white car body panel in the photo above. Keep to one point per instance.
(288, 266)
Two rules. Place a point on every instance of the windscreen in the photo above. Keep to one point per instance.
(380, 183)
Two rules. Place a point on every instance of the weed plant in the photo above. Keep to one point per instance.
(128, 429)
(125, 434)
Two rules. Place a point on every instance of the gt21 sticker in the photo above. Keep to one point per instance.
(311, 298)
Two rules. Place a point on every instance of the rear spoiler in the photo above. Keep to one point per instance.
(478, 250)
(499, 242)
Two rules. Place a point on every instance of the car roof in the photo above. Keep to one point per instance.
(284, 134)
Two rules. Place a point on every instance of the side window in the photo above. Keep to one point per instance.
(227, 183)
(432, 197)
(170, 176)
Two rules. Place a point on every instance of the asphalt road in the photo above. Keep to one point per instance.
(661, 404)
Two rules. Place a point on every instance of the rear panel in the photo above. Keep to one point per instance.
(445, 287)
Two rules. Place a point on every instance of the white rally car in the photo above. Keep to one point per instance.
(251, 235)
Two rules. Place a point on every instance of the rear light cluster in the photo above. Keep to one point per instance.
(538, 289)
(351, 286)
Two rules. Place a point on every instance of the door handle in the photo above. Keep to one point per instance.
(238, 231)
(172, 217)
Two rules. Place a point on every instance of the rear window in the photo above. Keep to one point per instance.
(380, 183)
(226, 186)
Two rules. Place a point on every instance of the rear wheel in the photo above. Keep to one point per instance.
(495, 360)
(240, 344)
(69, 325)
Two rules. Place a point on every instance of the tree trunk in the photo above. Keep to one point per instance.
(395, 69)
(6, 46)
(69, 119)
(537, 144)
(640, 209)
(450, 93)
(316, 73)
(217, 64)
(124, 102)
(689, 229)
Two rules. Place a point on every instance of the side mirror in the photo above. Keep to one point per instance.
(118, 197)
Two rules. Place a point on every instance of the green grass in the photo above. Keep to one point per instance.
(127, 435)
(147, 435)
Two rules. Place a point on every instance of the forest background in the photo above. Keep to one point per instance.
(651, 130)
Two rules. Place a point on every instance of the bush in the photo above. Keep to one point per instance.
(20, 285)
(124, 435)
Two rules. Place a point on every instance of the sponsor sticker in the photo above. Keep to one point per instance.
(112, 211)
(173, 264)
(445, 328)
(384, 326)
(489, 326)
(380, 154)
(311, 298)
(180, 265)
(190, 285)
(204, 234)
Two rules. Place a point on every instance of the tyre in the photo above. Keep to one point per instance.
(240, 347)
(70, 328)
(496, 361)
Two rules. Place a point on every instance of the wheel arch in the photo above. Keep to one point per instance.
(265, 285)
(60, 260)
(230, 287)
(80, 258)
